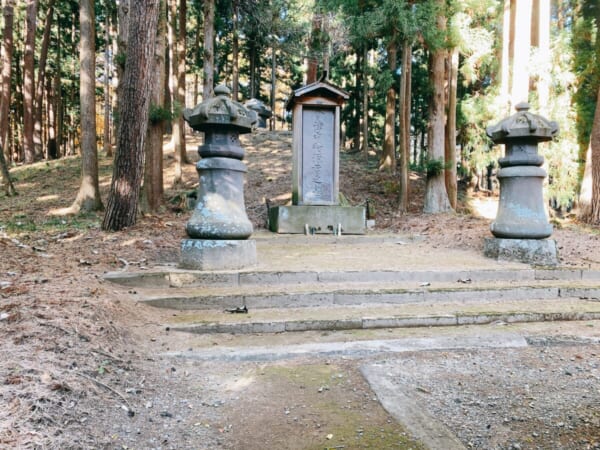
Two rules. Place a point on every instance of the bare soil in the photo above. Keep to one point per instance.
(81, 367)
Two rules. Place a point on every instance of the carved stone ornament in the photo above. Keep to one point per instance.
(521, 125)
(220, 110)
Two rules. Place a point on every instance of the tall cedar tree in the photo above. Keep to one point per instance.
(88, 198)
(134, 105)
(591, 175)
(594, 216)
(29, 79)
(209, 49)
(436, 197)
(7, 52)
(153, 190)
(41, 82)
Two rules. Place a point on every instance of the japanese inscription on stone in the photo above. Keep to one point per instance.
(318, 156)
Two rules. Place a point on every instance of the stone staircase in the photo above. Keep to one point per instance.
(305, 283)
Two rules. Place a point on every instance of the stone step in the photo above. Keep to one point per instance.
(171, 277)
(314, 295)
(335, 318)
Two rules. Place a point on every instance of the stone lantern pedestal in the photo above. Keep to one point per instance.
(219, 227)
(521, 226)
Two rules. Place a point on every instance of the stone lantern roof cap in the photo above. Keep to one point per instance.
(259, 107)
(523, 124)
(220, 111)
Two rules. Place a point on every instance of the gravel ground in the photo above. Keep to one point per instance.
(544, 396)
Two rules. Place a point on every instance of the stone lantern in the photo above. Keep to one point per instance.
(262, 111)
(521, 224)
(219, 227)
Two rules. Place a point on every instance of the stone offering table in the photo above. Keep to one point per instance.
(219, 227)
(521, 226)
(315, 169)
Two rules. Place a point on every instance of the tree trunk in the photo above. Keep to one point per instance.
(273, 86)
(312, 61)
(388, 157)
(29, 81)
(252, 57)
(88, 198)
(153, 191)
(177, 33)
(52, 117)
(521, 48)
(123, 15)
(404, 119)
(58, 103)
(359, 76)
(540, 38)
(5, 94)
(197, 63)
(365, 105)
(436, 198)
(181, 70)
(209, 52)
(235, 50)
(137, 88)
(589, 198)
(505, 57)
(107, 101)
(41, 82)
(450, 172)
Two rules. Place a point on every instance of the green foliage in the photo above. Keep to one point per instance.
(159, 114)
(120, 59)
(21, 223)
(586, 67)
(434, 167)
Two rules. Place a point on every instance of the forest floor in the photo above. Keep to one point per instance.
(81, 365)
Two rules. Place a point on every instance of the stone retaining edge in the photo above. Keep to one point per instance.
(385, 322)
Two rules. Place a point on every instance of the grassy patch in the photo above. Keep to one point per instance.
(349, 415)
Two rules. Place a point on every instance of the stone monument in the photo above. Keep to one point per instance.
(521, 226)
(315, 167)
(219, 227)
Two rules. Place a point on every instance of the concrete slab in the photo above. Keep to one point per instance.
(405, 408)
(385, 316)
(354, 349)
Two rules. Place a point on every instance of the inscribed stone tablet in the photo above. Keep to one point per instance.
(318, 156)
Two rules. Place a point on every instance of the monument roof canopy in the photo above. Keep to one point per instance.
(322, 89)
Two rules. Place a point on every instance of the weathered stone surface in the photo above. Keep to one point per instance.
(220, 112)
(521, 212)
(208, 254)
(220, 212)
(262, 111)
(532, 251)
(219, 225)
(521, 125)
(319, 158)
(317, 219)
